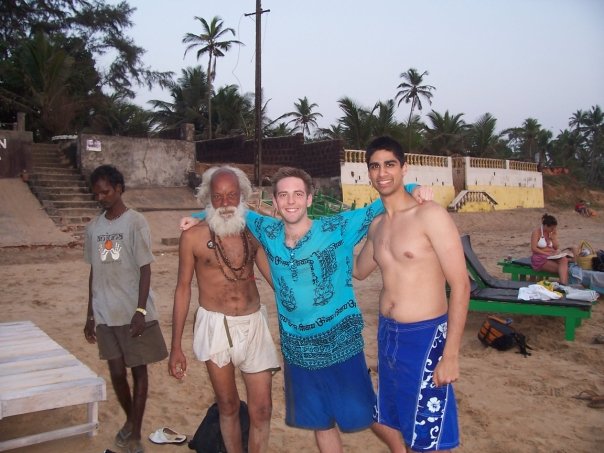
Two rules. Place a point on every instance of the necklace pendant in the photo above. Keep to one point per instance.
(211, 244)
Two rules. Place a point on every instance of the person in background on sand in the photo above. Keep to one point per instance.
(121, 317)
(544, 243)
(231, 326)
(327, 385)
(582, 208)
(418, 250)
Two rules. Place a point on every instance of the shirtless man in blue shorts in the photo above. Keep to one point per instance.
(326, 381)
(418, 250)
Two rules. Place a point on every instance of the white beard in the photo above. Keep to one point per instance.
(226, 221)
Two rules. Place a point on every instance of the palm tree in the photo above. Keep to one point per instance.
(279, 130)
(208, 41)
(566, 148)
(356, 123)
(359, 124)
(530, 134)
(333, 132)
(544, 143)
(412, 90)
(384, 122)
(303, 116)
(483, 141)
(413, 131)
(524, 140)
(594, 133)
(577, 119)
(188, 101)
(235, 112)
(46, 70)
(447, 134)
(118, 116)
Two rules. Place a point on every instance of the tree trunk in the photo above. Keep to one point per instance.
(210, 98)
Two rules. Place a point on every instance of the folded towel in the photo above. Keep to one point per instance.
(537, 292)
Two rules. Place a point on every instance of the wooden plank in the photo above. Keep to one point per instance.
(44, 377)
(27, 349)
(24, 341)
(16, 324)
(18, 334)
(17, 328)
(63, 394)
(47, 436)
(23, 337)
(6, 361)
(22, 332)
(38, 364)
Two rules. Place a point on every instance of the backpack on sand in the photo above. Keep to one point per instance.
(499, 334)
(597, 262)
(208, 438)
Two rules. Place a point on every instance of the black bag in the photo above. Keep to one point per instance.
(597, 262)
(208, 438)
(499, 334)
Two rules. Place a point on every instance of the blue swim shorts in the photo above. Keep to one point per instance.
(407, 399)
(340, 394)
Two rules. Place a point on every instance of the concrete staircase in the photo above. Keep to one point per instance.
(480, 200)
(61, 189)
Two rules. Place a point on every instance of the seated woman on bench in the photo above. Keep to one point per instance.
(544, 244)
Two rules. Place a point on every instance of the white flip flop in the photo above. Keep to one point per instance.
(167, 436)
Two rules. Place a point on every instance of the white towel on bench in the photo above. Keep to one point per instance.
(537, 292)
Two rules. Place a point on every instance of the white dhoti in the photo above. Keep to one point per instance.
(245, 341)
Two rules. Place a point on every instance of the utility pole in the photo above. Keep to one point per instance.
(258, 95)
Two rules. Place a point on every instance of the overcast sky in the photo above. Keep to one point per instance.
(512, 58)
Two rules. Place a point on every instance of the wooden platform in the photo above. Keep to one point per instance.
(37, 374)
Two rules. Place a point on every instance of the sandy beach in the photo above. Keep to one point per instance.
(506, 402)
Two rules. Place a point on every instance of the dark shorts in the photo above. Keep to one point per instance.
(116, 341)
(341, 394)
(407, 399)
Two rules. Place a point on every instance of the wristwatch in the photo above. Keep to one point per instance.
(142, 311)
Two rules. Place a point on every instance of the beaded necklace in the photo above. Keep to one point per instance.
(239, 273)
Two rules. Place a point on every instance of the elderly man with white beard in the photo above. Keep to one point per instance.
(231, 329)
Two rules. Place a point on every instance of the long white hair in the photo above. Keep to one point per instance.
(203, 192)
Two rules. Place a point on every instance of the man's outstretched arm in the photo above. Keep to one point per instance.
(364, 263)
(420, 193)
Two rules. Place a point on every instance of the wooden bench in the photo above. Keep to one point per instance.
(521, 268)
(37, 374)
(572, 315)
